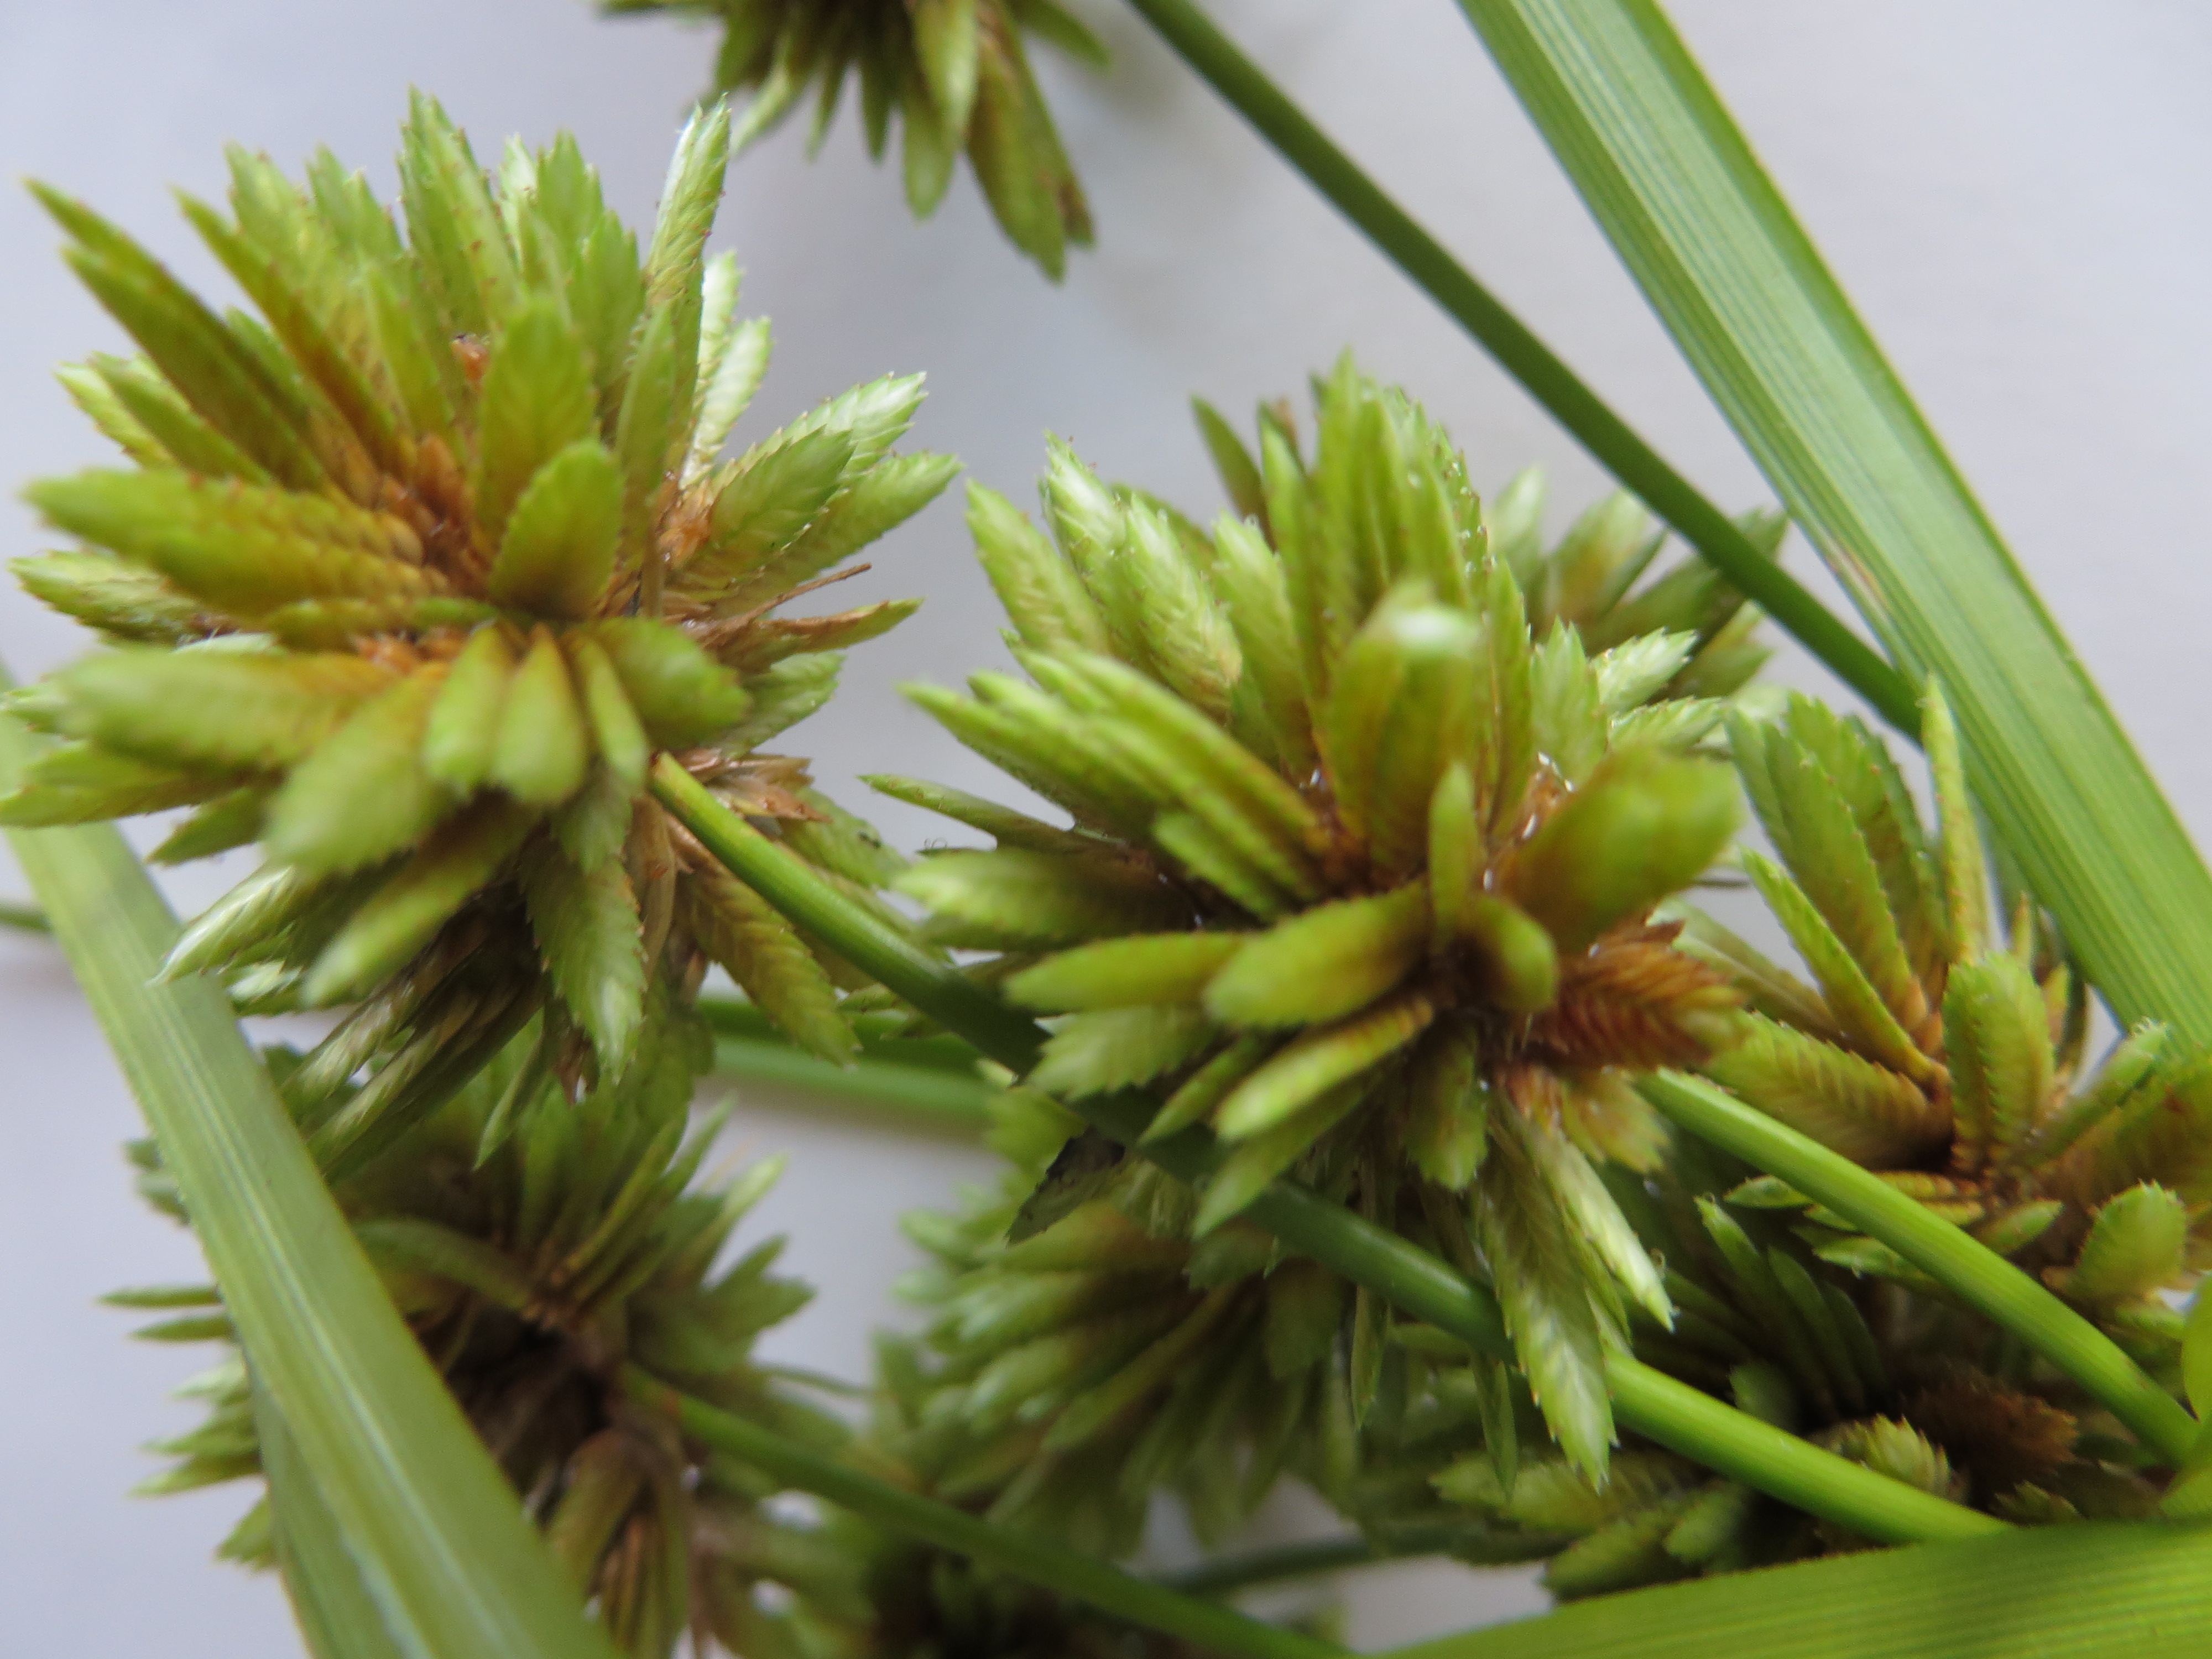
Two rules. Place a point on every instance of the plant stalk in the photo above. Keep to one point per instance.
(1517, 350)
(1972, 1272)
(912, 1096)
(1020, 1550)
(1733, 1443)
(1229, 1575)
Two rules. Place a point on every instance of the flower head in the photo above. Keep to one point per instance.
(1914, 1386)
(537, 1248)
(1085, 1353)
(419, 573)
(1362, 870)
(1945, 1052)
(955, 71)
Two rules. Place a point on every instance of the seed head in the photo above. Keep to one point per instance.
(419, 573)
(1362, 868)
(956, 72)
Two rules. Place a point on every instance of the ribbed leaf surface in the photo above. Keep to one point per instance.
(441, 1541)
(1763, 322)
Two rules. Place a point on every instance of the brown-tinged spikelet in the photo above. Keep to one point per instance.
(1907, 1384)
(537, 1246)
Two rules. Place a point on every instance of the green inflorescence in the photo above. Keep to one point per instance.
(956, 73)
(415, 574)
(536, 1247)
(1381, 814)
(1947, 1052)
(1363, 864)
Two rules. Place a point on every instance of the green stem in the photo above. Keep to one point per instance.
(934, 985)
(1731, 1442)
(24, 918)
(1976, 1274)
(1509, 341)
(1021, 1551)
(1227, 1575)
(916, 1097)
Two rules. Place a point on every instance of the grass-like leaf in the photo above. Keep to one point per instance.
(2060, 1593)
(338, 1617)
(452, 1563)
(1763, 322)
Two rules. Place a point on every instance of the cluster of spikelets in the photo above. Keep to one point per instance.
(1908, 1385)
(538, 1246)
(957, 74)
(1085, 1353)
(1362, 869)
(1947, 1057)
(418, 575)
(1945, 1054)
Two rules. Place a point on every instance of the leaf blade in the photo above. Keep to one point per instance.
(1763, 322)
(456, 1565)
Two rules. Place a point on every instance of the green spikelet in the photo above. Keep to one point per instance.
(407, 910)
(559, 546)
(1330, 961)
(421, 572)
(1847, 1103)
(364, 795)
(78, 781)
(1091, 1054)
(1068, 1376)
(1317, 1062)
(1043, 597)
(1125, 973)
(123, 601)
(544, 745)
(1415, 872)
(1643, 826)
(2134, 1247)
(1998, 1035)
(956, 72)
(215, 711)
(586, 924)
(1021, 899)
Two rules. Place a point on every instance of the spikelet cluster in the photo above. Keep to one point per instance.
(1362, 869)
(1912, 1386)
(1083, 1354)
(956, 73)
(418, 573)
(1945, 1053)
(536, 1247)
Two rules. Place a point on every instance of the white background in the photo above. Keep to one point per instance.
(2014, 192)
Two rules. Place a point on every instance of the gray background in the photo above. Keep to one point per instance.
(2014, 192)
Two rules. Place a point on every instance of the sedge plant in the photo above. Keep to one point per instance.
(1380, 1107)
